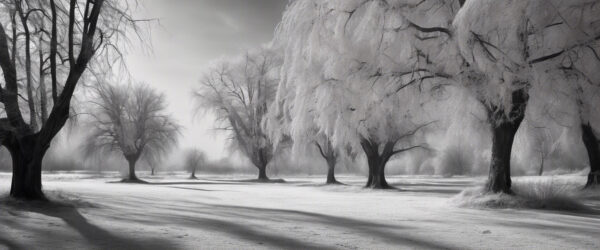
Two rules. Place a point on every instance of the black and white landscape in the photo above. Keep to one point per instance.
(300, 124)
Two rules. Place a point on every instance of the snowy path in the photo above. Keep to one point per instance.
(300, 214)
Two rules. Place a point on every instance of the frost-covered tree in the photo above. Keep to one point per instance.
(494, 46)
(239, 91)
(69, 38)
(510, 50)
(362, 72)
(575, 90)
(277, 124)
(194, 159)
(131, 120)
(571, 46)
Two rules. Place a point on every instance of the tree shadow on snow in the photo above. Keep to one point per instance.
(199, 189)
(256, 181)
(371, 229)
(239, 221)
(323, 184)
(176, 183)
(95, 235)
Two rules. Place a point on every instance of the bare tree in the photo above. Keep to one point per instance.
(239, 92)
(194, 159)
(76, 34)
(131, 120)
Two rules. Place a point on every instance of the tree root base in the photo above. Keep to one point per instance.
(135, 181)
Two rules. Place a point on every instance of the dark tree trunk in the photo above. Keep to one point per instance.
(504, 130)
(331, 172)
(377, 162)
(262, 173)
(261, 161)
(370, 178)
(27, 168)
(132, 176)
(376, 178)
(193, 175)
(541, 167)
(499, 176)
(593, 149)
(152, 171)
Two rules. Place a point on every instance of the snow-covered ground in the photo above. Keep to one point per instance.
(223, 213)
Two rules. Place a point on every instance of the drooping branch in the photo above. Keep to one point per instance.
(320, 150)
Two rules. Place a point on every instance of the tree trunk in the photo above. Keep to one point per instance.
(261, 160)
(193, 175)
(262, 172)
(593, 149)
(377, 162)
(370, 178)
(152, 171)
(132, 176)
(377, 172)
(27, 168)
(331, 172)
(504, 129)
(541, 167)
(502, 140)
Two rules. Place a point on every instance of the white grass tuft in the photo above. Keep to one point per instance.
(547, 194)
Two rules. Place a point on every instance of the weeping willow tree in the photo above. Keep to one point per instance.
(527, 43)
(364, 73)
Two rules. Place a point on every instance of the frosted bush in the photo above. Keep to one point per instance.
(534, 194)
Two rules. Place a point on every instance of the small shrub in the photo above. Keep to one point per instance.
(533, 194)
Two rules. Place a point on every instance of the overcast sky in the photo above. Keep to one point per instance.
(192, 34)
